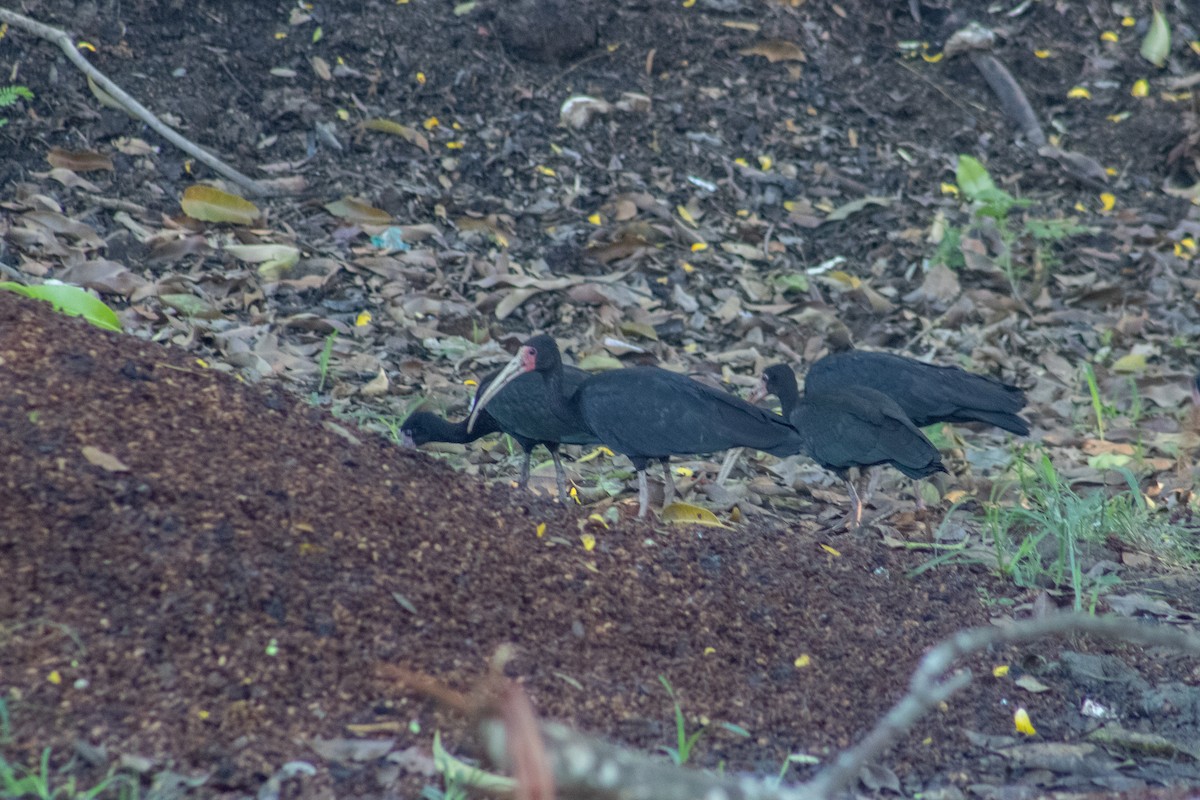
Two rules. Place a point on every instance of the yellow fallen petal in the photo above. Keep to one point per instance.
(708, 651)
(363, 318)
(589, 541)
(541, 529)
(1079, 93)
(1110, 36)
(595, 219)
(802, 661)
(1043, 53)
(54, 677)
(1023, 724)
(830, 550)
(1107, 201)
(950, 188)
(1000, 671)
(698, 246)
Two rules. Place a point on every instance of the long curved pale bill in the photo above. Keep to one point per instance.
(511, 370)
(759, 392)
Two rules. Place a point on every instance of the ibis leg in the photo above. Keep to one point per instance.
(856, 506)
(873, 475)
(731, 459)
(643, 493)
(668, 483)
(560, 474)
(523, 481)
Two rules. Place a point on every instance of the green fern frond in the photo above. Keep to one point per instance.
(10, 94)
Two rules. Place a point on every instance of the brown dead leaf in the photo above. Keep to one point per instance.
(62, 225)
(210, 204)
(411, 135)
(377, 387)
(775, 50)
(105, 461)
(79, 160)
(358, 212)
(1095, 447)
(104, 276)
(69, 179)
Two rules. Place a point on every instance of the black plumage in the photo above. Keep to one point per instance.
(928, 393)
(648, 413)
(520, 410)
(851, 427)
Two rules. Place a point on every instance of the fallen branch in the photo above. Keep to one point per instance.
(584, 767)
(60, 38)
(975, 41)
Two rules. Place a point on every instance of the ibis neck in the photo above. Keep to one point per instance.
(789, 396)
(563, 406)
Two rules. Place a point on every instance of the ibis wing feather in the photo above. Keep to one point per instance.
(652, 413)
(928, 393)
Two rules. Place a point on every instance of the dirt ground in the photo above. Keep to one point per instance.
(203, 568)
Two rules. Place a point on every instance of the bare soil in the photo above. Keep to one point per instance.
(201, 570)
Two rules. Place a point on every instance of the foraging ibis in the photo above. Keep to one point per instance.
(928, 393)
(647, 413)
(520, 410)
(851, 427)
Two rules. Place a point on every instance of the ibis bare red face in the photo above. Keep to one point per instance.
(524, 361)
(528, 356)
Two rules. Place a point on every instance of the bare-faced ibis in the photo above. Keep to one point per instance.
(851, 427)
(520, 410)
(928, 393)
(648, 413)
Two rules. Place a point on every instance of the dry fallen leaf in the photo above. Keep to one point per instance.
(79, 160)
(210, 204)
(396, 129)
(775, 50)
(103, 460)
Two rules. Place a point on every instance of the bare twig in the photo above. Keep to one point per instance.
(60, 38)
(587, 767)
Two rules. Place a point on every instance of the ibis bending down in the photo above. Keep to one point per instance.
(520, 410)
(646, 413)
(851, 427)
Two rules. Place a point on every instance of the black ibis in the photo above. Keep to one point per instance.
(928, 393)
(647, 413)
(520, 410)
(851, 427)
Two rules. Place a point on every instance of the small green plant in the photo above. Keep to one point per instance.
(1043, 538)
(684, 741)
(323, 361)
(9, 95)
(40, 782)
(70, 300)
(458, 777)
(1098, 406)
(1016, 243)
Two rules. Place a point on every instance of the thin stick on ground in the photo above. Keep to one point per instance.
(588, 767)
(59, 37)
